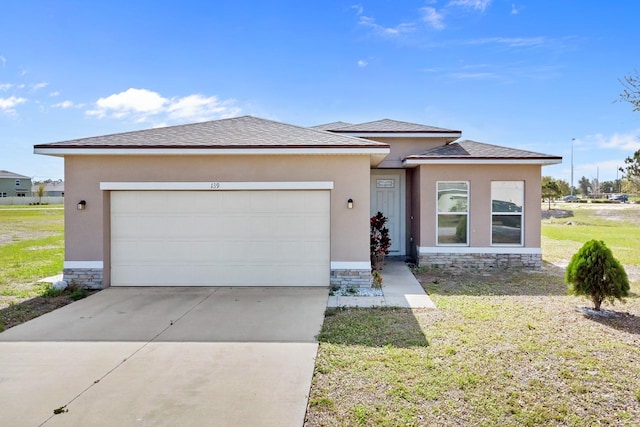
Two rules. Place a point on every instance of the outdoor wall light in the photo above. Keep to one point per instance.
(350, 204)
(82, 205)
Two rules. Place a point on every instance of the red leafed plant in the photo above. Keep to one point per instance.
(379, 238)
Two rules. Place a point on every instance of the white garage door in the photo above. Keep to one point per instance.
(220, 238)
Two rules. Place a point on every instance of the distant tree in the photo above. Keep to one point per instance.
(610, 186)
(40, 192)
(632, 171)
(631, 94)
(585, 185)
(562, 184)
(550, 191)
(594, 272)
(595, 186)
(631, 90)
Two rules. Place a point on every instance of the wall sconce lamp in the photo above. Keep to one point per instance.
(82, 205)
(350, 204)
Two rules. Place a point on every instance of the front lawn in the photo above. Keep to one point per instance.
(503, 349)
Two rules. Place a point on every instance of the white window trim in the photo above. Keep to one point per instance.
(521, 214)
(453, 213)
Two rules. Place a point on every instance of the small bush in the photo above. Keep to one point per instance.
(50, 292)
(594, 272)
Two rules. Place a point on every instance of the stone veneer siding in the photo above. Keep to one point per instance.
(83, 278)
(481, 261)
(350, 278)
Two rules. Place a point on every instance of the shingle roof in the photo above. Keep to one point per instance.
(468, 149)
(331, 126)
(392, 126)
(238, 132)
(12, 175)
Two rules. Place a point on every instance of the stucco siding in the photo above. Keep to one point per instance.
(479, 178)
(403, 147)
(87, 232)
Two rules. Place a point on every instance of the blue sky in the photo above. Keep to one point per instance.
(525, 74)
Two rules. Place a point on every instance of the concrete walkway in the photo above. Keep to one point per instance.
(165, 357)
(399, 287)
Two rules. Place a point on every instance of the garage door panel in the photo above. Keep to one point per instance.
(227, 238)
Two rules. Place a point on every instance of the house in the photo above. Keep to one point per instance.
(247, 201)
(51, 189)
(14, 185)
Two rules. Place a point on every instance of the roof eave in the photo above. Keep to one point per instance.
(209, 151)
(450, 136)
(415, 161)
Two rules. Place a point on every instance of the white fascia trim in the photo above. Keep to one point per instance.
(83, 264)
(217, 186)
(206, 151)
(544, 162)
(350, 265)
(467, 250)
(454, 135)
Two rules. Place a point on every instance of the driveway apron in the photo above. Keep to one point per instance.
(165, 357)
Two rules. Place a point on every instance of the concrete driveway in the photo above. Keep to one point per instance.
(165, 357)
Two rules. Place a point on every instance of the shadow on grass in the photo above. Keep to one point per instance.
(372, 327)
(621, 321)
(494, 282)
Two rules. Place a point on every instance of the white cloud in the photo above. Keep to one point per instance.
(130, 102)
(3, 60)
(475, 76)
(625, 142)
(515, 9)
(142, 105)
(199, 108)
(358, 8)
(512, 41)
(433, 18)
(5, 86)
(63, 104)
(55, 93)
(7, 104)
(399, 29)
(362, 63)
(480, 5)
(38, 86)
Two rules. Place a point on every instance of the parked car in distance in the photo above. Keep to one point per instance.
(619, 198)
(570, 199)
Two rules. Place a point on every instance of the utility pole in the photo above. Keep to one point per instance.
(572, 139)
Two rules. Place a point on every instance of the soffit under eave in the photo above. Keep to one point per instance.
(408, 162)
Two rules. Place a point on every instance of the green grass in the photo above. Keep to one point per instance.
(507, 349)
(32, 247)
(619, 229)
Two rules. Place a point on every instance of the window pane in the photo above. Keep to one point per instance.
(452, 196)
(506, 229)
(452, 229)
(507, 196)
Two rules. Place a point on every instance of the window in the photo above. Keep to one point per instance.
(17, 182)
(453, 213)
(3, 194)
(507, 200)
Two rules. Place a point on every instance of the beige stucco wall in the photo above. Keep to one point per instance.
(402, 147)
(480, 178)
(87, 232)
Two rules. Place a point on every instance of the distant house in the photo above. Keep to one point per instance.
(14, 185)
(51, 189)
